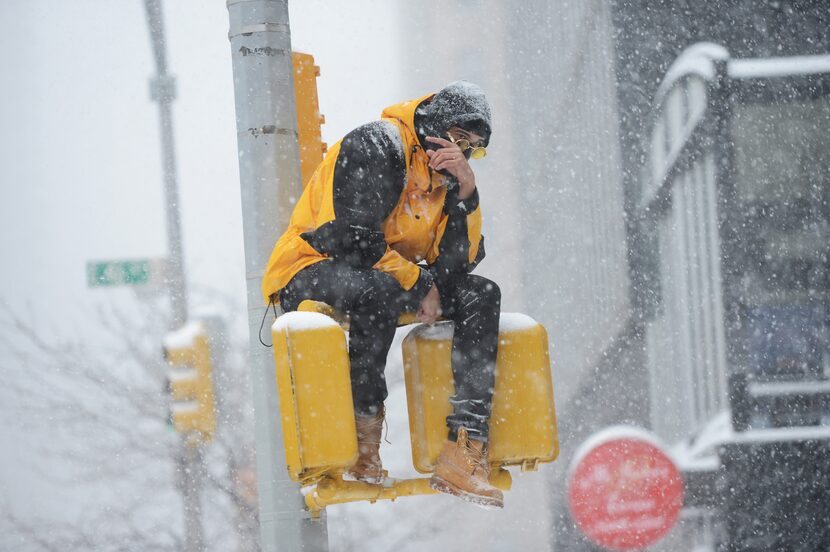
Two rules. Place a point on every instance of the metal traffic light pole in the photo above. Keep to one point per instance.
(269, 172)
(163, 91)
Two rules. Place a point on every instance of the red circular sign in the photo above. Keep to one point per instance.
(624, 492)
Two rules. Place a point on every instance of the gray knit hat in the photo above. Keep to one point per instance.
(462, 104)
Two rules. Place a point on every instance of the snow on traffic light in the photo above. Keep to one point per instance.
(192, 404)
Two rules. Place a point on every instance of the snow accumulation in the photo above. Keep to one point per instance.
(458, 102)
(697, 59)
(515, 321)
(392, 133)
(473, 94)
(762, 389)
(206, 311)
(182, 374)
(778, 67)
(701, 452)
(508, 322)
(184, 407)
(184, 337)
(382, 134)
(297, 321)
(614, 433)
(778, 434)
(437, 332)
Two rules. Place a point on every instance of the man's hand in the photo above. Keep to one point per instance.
(451, 158)
(430, 308)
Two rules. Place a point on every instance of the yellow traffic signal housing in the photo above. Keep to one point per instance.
(523, 420)
(309, 118)
(315, 395)
(183, 384)
(192, 409)
(312, 370)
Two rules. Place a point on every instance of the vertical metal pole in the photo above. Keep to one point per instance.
(190, 469)
(163, 91)
(269, 171)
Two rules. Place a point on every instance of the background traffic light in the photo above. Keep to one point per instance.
(192, 406)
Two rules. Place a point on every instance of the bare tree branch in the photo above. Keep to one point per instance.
(100, 410)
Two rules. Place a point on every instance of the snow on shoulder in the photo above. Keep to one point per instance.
(380, 138)
(298, 321)
(184, 337)
(515, 322)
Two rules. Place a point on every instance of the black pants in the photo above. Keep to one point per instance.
(374, 300)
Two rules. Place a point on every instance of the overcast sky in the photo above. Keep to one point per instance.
(80, 149)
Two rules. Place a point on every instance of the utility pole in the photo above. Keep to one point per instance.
(269, 171)
(163, 90)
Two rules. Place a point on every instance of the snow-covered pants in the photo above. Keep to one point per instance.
(374, 300)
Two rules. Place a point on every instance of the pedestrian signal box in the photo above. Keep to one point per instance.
(315, 392)
(315, 399)
(192, 407)
(523, 421)
(309, 118)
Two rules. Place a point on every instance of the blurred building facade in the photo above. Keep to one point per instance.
(551, 195)
(684, 283)
(573, 86)
(551, 185)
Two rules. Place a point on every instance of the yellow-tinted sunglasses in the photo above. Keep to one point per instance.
(478, 152)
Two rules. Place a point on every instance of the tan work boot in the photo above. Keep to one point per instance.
(368, 467)
(462, 470)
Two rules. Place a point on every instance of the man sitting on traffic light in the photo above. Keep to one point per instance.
(389, 223)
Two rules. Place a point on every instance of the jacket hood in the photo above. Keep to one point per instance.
(461, 104)
(405, 112)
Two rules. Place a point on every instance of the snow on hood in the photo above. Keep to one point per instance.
(460, 103)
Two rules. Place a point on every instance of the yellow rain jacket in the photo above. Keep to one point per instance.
(412, 231)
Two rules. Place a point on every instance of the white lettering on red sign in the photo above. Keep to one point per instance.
(625, 493)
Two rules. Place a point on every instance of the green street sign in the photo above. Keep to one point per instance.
(123, 273)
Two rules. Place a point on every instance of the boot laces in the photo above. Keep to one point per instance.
(478, 458)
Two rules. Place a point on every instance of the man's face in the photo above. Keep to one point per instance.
(471, 144)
